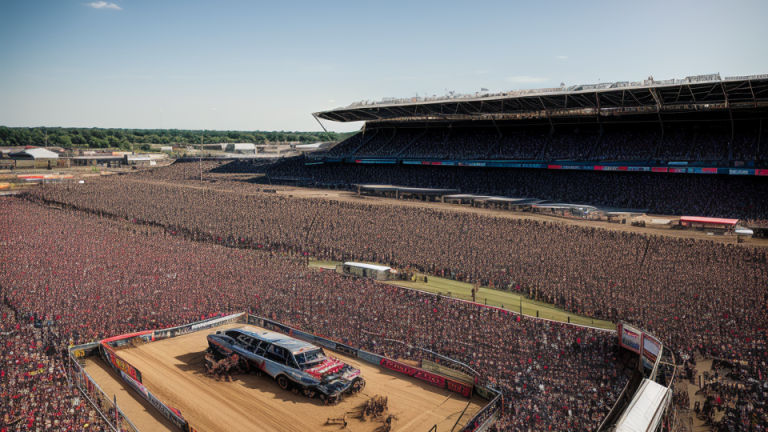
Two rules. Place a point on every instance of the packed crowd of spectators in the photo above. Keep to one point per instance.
(109, 277)
(520, 143)
(34, 393)
(696, 295)
(393, 147)
(741, 197)
(732, 389)
(688, 141)
(626, 142)
(378, 141)
(571, 143)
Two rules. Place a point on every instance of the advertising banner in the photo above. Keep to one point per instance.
(423, 375)
(369, 357)
(305, 336)
(630, 338)
(346, 349)
(86, 350)
(119, 364)
(740, 171)
(165, 411)
(484, 393)
(460, 388)
(447, 372)
(325, 343)
(139, 387)
(271, 325)
(651, 347)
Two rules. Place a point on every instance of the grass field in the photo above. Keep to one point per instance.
(491, 297)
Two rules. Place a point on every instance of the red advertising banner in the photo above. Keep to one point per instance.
(761, 172)
(397, 366)
(462, 389)
(121, 364)
(554, 166)
(431, 378)
(423, 375)
(660, 169)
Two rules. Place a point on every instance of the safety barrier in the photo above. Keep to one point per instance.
(119, 422)
(115, 418)
(107, 409)
(480, 422)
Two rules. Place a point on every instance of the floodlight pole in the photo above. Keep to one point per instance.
(201, 156)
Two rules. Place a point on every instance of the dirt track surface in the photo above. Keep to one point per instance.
(172, 369)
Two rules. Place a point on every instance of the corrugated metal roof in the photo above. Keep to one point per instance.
(37, 153)
(645, 411)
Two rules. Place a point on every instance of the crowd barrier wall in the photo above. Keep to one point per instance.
(418, 373)
(105, 348)
(132, 376)
(107, 408)
(479, 422)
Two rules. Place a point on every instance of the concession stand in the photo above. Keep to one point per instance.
(373, 271)
(709, 224)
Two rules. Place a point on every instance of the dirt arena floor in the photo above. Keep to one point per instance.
(172, 369)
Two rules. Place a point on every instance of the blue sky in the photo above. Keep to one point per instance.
(247, 65)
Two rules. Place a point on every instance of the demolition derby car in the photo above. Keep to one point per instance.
(291, 362)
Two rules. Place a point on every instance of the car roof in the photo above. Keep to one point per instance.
(295, 346)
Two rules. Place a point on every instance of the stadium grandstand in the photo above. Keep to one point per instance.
(673, 147)
(702, 124)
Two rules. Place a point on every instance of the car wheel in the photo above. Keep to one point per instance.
(282, 381)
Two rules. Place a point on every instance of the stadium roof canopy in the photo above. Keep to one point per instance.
(694, 93)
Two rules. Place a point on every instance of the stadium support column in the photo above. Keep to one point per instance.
(549, 117)
(495, 125)
(730, 114)
(321, 125)
(661, 122)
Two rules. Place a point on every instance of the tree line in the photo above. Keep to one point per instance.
(124, 138)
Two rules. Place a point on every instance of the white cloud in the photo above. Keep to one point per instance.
(331, 100)
(526, 79)
(561, 57)
(103, 5)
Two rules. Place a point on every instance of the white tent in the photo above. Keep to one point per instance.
(646, 409)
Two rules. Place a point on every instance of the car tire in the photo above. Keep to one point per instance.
(282, 381)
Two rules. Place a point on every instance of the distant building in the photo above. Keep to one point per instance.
(35, 154)
(314, 147)
(240, 148)
(35, 158)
